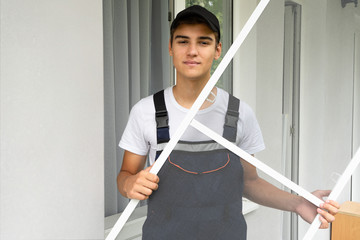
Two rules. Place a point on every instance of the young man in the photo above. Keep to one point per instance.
(198, 192)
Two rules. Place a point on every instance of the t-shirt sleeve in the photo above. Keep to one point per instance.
(133, 139)
(251, 137)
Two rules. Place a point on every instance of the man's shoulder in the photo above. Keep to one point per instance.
(146, 104)
(143, 103)
(244, 107)
(143, 107)
(225, 94)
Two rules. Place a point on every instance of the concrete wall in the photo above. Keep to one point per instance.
(51, 120)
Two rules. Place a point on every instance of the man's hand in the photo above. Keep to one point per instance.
(327, 210)
(133, 181)
(141, 185)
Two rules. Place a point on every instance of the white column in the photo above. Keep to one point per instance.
(51, 172)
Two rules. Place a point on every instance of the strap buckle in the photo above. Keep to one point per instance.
(231, 118)
(162, 119)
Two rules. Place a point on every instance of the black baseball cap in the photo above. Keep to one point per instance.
(208, 16)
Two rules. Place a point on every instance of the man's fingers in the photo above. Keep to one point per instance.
(324, 223)
(150, 176)
(331, 206)
(140, 189)
(147, 182)
(145, 191)
(139, 196)
(151, 184)
(326, 215)
(148, 169)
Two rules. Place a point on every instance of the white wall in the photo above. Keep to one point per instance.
(259, 83)
(51, 120)
(325, 96)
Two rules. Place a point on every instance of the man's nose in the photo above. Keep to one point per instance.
(192, 49)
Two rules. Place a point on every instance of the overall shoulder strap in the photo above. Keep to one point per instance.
(231, 119)
(161, 117)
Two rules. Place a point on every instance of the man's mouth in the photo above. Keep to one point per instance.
(191, 63)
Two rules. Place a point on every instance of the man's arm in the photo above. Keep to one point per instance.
(134, 182)
(260, 191)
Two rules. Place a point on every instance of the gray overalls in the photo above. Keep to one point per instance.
(200, 188)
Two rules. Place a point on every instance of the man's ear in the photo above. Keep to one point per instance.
(170, 48)
(218, 51)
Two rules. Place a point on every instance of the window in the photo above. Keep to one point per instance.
(291, 105)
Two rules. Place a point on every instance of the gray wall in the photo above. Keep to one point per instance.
(51, 120)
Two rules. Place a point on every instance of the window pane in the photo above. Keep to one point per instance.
(223, 11)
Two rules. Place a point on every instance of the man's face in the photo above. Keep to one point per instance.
(193, 49)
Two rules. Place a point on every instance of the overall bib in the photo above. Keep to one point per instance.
(200, 188)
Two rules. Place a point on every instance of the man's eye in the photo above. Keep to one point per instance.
(182, 42)
(204, 43)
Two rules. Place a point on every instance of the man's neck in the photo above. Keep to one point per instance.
(187, 90)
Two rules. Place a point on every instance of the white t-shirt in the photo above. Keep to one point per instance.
(139, 136)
